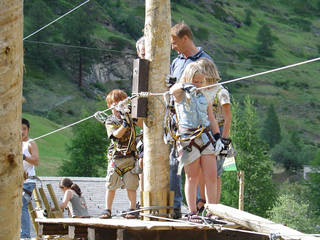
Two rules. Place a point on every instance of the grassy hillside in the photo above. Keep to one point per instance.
(51, 148)
(50, 81)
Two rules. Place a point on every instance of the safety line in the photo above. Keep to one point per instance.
(55, 20)
(261, 73)
(147, 94)
(121, 103)
(74, 46)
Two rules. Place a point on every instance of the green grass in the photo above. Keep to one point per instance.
(52, 150)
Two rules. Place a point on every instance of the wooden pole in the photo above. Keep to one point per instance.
(256, 223)
(11, 67)
(156, 153)
(241, 190)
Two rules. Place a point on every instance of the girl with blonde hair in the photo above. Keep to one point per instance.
(220, 99)
(195, 138)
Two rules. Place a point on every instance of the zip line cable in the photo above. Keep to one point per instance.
(242, 78)
(147, 94)
(74, 46)
(118, 106)
(40, 29)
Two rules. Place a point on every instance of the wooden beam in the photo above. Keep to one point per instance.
(241, 190)
(256, 223)
(156, 152)
(45, 202)
(58, 212)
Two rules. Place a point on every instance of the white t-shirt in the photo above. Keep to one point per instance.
(218, 96)
(28, 167)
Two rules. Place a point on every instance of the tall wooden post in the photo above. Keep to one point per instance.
(156, 153)
(241, 190)
(11, 63)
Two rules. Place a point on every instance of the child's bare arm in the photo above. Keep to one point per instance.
(213, 122)
(227, 120)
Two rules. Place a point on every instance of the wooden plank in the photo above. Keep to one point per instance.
(45, 202)
(36, 198)
(120, 223)
(33, 216)
(140, 84)
(58, 213)
(255, 223)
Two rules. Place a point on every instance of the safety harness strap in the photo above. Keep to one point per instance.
(122, 172)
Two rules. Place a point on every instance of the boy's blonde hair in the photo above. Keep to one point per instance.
(189, 72)
(209, 69)
(115, 96)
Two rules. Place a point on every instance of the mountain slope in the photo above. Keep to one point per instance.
(218, 26)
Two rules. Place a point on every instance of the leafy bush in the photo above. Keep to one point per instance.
(292, 209)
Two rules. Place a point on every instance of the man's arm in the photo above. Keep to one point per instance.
(34, 158)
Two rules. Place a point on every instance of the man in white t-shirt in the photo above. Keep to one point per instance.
(30, 160)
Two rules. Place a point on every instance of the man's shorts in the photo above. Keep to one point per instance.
(186, 157)
(127, 181)
(220, 162)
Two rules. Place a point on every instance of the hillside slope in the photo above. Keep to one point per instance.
(218, 26)
(52, 150)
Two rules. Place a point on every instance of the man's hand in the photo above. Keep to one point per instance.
(170, 80)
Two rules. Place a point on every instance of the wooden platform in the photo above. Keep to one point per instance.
(119, 229)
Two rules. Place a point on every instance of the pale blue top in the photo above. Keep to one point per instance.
(192, 113)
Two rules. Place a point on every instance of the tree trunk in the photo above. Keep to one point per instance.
(156, 153)
(11, 63)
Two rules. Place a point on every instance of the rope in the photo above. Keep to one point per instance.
(40, 29)
(262, 73)
(175, 220)
(74, 46)
(99, 115)
(148, 94)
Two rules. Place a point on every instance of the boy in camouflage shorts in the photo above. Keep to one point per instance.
(121, 155)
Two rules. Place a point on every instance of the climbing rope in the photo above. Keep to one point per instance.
(45, 26)
(100, 116)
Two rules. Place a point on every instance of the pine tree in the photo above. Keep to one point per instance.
(248, 20)
(251, 157)
(266, 41)
(271, 131)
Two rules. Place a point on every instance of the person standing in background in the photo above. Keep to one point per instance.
(30, 160)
